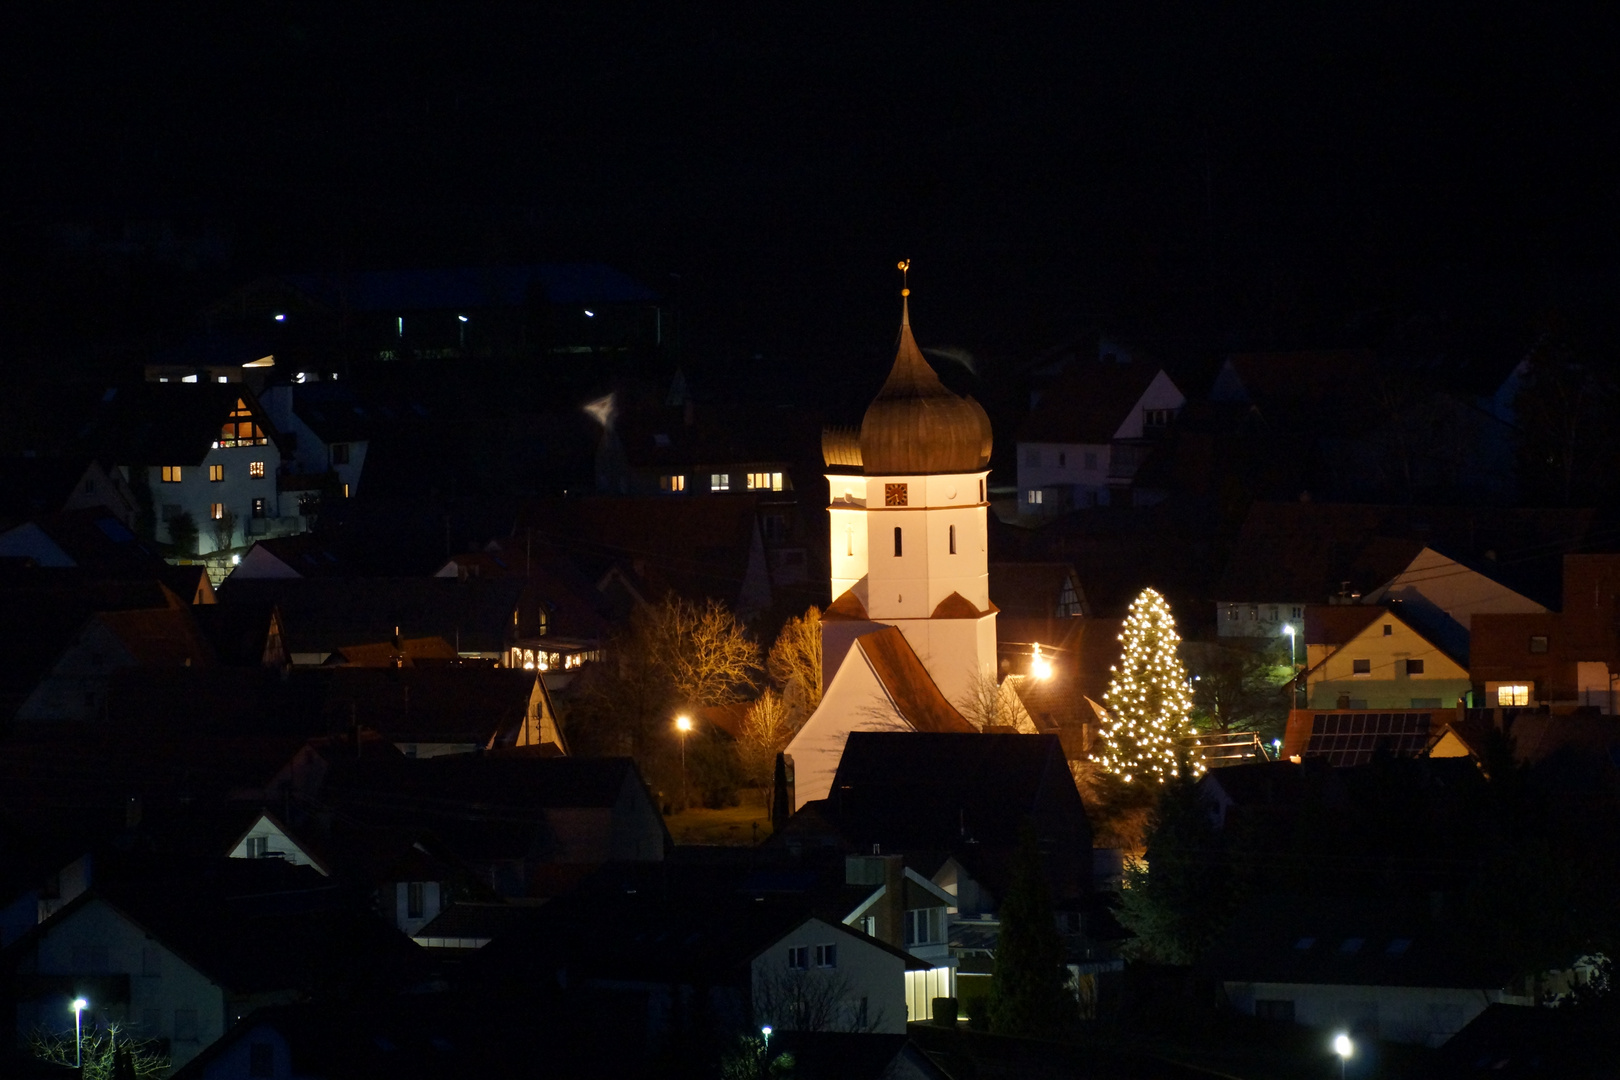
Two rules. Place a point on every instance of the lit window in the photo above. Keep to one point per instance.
(764, 481)
(1538, 643)
(1513, 696)
(1361, 667)
(255, 468)
(672, 483)
(1034, 497)
(826, 956)
(258, 508)
(798, 958)
(216, 473)
(719, 481)
(240, 429)
(216, 511)
(345, 491)
(171, 474)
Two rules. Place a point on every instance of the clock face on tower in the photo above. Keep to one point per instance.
(894, 494)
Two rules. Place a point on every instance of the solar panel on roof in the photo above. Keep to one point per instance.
(1353, 738)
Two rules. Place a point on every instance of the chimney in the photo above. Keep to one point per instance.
(891, 923)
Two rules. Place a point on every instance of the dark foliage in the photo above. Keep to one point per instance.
(1029, 995)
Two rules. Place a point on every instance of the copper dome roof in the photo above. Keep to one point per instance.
(915, 426)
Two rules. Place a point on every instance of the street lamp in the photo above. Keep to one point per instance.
(1344, 1048)
(683, 724)
(78, 1006)
(766, 1031)
(1041, 667)
(1293, 667)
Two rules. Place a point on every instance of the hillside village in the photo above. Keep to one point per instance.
(355, 718)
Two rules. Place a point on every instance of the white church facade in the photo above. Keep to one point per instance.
(911, 633)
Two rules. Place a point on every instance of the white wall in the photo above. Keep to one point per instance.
(854, 701)
(154, 998)
(277, 843)
(864, 970)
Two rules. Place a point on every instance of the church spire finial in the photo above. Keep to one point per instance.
(905, 292)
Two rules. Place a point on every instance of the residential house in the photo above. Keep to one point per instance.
(207, 451)
(180, 957)
(1390, 971)
(322, 615)
(1289, 555)
(34, 486)
(325, 429)
(669, 961)
(1090, 432)
(1441, 596)
(1359, 656)
(1564, 659)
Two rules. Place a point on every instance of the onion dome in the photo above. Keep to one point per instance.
(916, 426)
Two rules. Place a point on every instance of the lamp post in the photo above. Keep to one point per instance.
(78, 1006)
(1293, 667)
(1040, 666)
(683, 724)
(1344, 1048)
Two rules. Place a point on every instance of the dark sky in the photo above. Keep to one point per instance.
(1200, 176)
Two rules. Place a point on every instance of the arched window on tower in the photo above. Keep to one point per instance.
(953, 539)
(897, 550)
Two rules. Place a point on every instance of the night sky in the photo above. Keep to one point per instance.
(1203, 180)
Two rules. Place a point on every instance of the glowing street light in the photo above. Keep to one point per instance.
(1040, 667)
(683, 724)
(1344, 1048)
(78, 1007)
(766, 1031)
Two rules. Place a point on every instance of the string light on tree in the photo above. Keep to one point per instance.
(1149, 698)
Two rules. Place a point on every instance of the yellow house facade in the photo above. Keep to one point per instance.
(1384, 665)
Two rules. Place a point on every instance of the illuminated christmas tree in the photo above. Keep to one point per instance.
(1148, 699)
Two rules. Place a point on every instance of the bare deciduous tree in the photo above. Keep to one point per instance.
(766, 731)
(987, 703)
(224, 529)
(815, 1000)
(101, 1048)
(795, 663)
(710, 658)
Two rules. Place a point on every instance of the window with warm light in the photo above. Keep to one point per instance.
(719, 481)
(171, 474)
(764, 481)
(216, 511)
(241, 429)
(256, 468)
(216, 473)
(672, 483)
(1513, 696)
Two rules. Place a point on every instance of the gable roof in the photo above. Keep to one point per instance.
(908, 683)
(155, 424)
(1089, 402)
(910, 790)
(1335, 624)
(1032, 589)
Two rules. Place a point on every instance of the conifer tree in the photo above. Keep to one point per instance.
(1029, 992)
(1148, 699)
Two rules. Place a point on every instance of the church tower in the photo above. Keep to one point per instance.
(909, 525)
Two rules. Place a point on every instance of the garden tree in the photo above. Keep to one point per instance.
(109, 1053)
(751, 1059)
(183, 532)
(987, 703)
(672, 655)
(766, 731)
(795, 663)
(1029, 992)
(1148, 701)
(224, 529)
(1179, 896)
(1239, 686)
(821, 999)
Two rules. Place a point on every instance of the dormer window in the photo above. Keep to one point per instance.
(1157, 418)
(240, 429)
